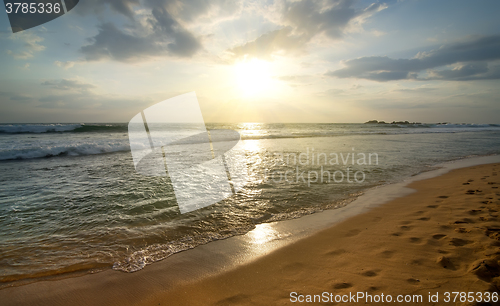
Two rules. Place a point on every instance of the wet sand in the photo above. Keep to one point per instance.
(442, 238)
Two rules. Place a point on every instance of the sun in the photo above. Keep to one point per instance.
(253, 78)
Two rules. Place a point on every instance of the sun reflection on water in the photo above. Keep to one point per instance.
(263, 233)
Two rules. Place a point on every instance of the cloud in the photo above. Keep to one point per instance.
(68, 84)
(114, 103)
(417, 90)
(190, 11)
(65, 65)
(468, 72)
(271, 43)
(353, 90)
(313, 17)
(113, 43)
(193, 10)
(183, 42)
(472, 59)
(161, 36)
(124, 7)
(159, 28)
(30, 44)
(296, 80)
(162, 28)
(20, 97)
(303, 20)
(25, 67)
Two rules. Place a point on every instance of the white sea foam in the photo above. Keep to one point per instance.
(48, 140)
(23, 151)
(37, 128)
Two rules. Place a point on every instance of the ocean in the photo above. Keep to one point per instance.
(71, 200)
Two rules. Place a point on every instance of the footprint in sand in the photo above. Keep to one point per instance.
(470, 191)
(353, 232)
(387, 254)
(406, 227)
(417, 262)
(397, 234)
(433, 206)
(487, 219)
(443, 197)
(235, 299)
(413, 281)
(493, 233)
(336, 252)
(485, 269)
(415, 239)
(438, 236)
(294, 266)
(445, 263)
(424, 219)
(370, 273)
(459, 242)
(474, 211)
(342, 286)
(464, 221)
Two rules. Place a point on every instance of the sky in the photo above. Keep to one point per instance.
(257, 61)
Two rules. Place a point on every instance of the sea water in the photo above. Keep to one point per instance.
(71, 200)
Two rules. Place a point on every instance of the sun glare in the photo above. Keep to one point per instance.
(253, 77)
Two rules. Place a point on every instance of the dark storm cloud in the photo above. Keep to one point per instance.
(159, 34)
(304, 20)
(468, 72)
(123, 7)
(113, 43)
(472, 60)
(167, 38)
(189, 10)
(309, 17)
(183, 42)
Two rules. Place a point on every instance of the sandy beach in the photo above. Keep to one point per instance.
(443, 238)
(263, 152)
